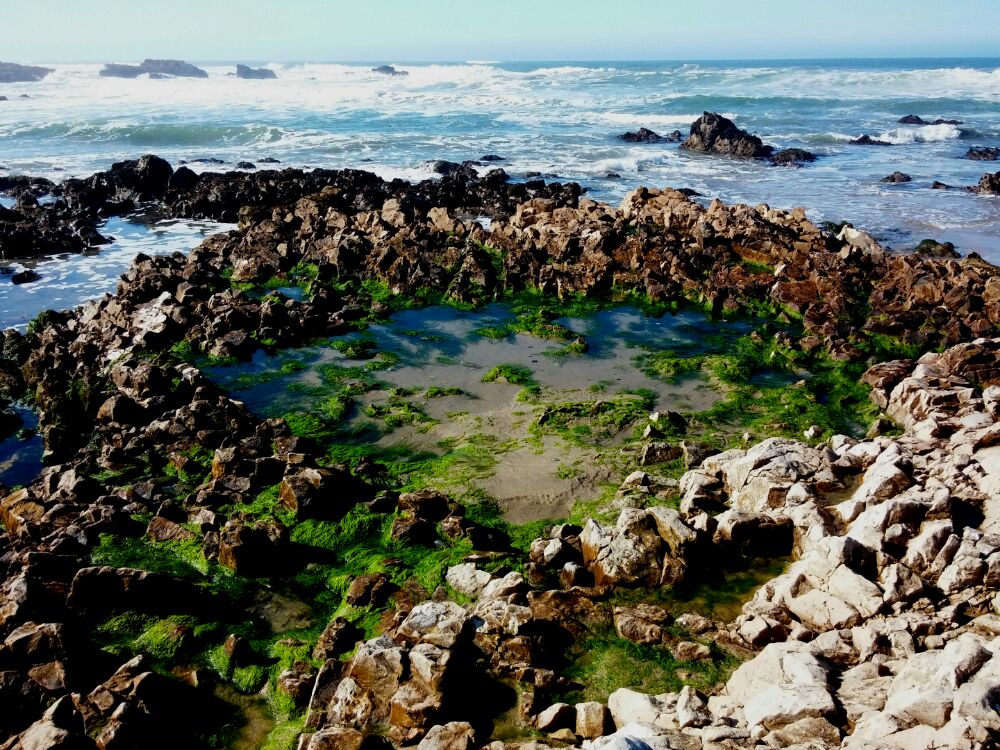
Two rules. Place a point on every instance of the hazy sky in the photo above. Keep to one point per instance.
(444, 30)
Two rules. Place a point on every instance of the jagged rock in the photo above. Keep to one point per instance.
(592, 720)
(438, 623)
(983, 154)
(783, 684)
(642, 623)
(897, 178)
(691, 651)
(867, 140)
(336, 738)
(467, 579)
(644, 135)
(456, 735)
(628, 553)
(244, 71)
(989, 184)
(714, 134)
(692, 709)
(556, 716)
(793, 156)
(338, 636)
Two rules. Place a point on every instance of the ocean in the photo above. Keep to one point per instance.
(558, 119)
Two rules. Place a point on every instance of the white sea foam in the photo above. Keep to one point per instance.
(922, 134)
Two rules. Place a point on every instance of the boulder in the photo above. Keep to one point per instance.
(793, 156)
(867, 140)
(645, 135)
(714, 134)
(628, 553)
(455, 735)
(556, 716)
(781, 685)
(989, 184)
(259, 74)
(592, 720)
(983, 154)
(897, 178)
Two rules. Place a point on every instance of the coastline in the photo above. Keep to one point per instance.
(892, 536)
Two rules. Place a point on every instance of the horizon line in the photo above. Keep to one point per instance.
(466, 61)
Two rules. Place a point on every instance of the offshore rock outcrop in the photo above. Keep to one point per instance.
(154, 69)
(259, 74)
(645, 135)
(989, 184)
(985, 153)
(714, 134)
(14, 73)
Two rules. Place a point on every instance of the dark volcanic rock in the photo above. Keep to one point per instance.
(246, 165)
(388, 70)
(157, 68)
(491, 157)
(714, 134)
(935, 249)
(645, 135)
(918, 120)
(983, 154)
(14, 73)
(989, 184)
(258, 74)
(867, 140)
(793, 156)
(24, 277)
(939, 186)
(117, 70)
(896, 178)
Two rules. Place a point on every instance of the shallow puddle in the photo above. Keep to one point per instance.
(417, 382)
(254, 722)
(438, 347)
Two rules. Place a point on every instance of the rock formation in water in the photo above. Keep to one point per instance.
(389, 70)
(714, 134)
(154, 68)
(983, 154)
(645, 135)
(14, 73)
(243, 71)
(918, 120)
(867, 140)
(989, 184)
(897, 178)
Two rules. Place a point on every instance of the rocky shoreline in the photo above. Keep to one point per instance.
(881, 632)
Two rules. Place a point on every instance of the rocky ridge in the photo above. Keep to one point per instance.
(892, 537)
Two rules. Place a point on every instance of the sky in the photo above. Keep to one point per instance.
(508, 30)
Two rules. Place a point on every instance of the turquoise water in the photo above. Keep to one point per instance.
(560, 120)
